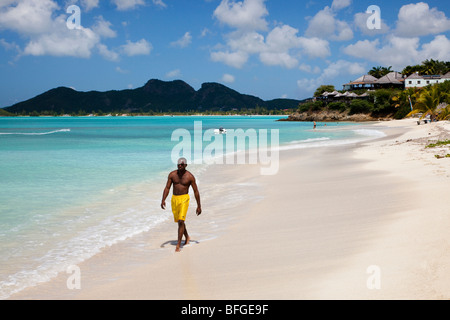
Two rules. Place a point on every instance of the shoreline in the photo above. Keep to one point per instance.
(334, 212)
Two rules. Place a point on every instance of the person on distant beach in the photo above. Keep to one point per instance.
(181, 180)
(314, 124)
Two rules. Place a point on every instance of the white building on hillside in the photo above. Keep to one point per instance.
(417, 81)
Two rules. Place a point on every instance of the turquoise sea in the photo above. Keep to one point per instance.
(70, 186)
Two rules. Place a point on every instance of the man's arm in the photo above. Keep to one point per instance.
(197, 196)
(166, 192)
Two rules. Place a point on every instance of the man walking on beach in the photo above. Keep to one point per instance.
(181, 180)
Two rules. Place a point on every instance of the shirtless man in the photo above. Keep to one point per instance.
(181, 180)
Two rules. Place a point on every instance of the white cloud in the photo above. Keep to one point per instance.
(278, 47)
(362, 49)
(123, 5)
(89, 4)
(183, 42)
(120, 70)
(48, 34)
(278, 59)
(396, 52)
(282, 47)
(159, 3)
(245, 15)
(234, 59)
(315, 47)
(334, 70)
(360, 21)
(325, 25)
(205, 32)
(27, 17)
(63, 42)
(249, 42)
(309, 69)
(399, 52)
(419, 20)
(141, 47)
(228, 78)
(339, 67)
(438, 49)
(173, 74)
(282, 39)
(106, 53)
(103, 28)
(340, 4)
(9, 45)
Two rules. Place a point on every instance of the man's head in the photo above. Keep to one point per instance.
(182, 164)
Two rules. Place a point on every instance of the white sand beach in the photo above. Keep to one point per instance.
(328, 217)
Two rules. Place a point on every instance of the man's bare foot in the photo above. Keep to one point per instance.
(177, 249)
(187, 240)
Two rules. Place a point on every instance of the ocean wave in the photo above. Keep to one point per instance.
(370, 133)
(317, 144)
(310, 140)
(34, 133)
(80, 248)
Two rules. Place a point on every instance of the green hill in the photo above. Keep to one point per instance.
(154, 96)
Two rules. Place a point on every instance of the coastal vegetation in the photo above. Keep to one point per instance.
(428, 67)
(432, 101)
(117, 113)
(380, 71)
(438, 144)
(429, 100)
(158, 97)
(378, 104)
(4, 113)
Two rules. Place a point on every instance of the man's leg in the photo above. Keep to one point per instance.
(182, 231)
(186, 236)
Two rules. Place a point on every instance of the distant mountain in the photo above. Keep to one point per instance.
(154, 96)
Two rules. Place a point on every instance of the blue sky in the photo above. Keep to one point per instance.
(267, 48)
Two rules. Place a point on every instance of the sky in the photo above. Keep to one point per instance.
(267, 48)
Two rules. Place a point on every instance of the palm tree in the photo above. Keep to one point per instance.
(409, 70)
(405, 97)
(447, 66)
(428, 101)
(429, 67)
(376, 72)
(385, 71)
(444, 113)
(380, 71)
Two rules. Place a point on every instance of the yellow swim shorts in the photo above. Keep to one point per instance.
(180, 206)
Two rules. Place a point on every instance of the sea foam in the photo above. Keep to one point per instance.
(34, 133)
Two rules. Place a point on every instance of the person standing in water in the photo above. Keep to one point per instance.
(181, 180)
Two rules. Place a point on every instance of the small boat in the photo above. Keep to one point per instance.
(220, 131)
